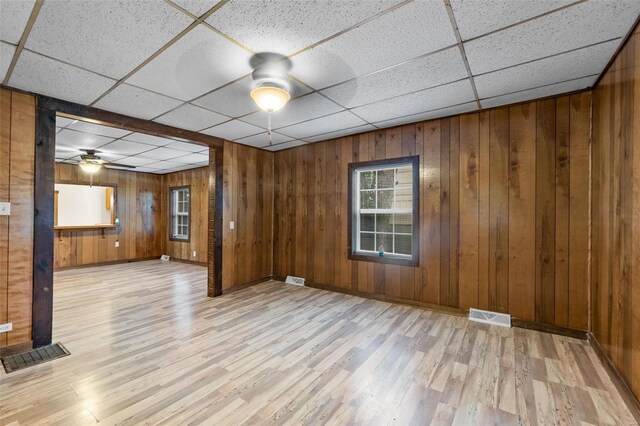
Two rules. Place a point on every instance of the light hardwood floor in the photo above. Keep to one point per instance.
(148, 347)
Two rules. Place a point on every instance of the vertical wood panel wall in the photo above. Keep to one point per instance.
(616, 212)
(247, 250)
(198, 181)
(504, 221)
(139, 208)
(17, 151)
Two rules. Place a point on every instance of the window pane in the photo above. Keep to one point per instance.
(385, 199)
(367, 222)
(367, 180)
(368, 199)
(403, 223)
(384, 242)
(404, 198)
(367, 241)
(384, 223)
(404, 177)
(403, 244)
(385, 178)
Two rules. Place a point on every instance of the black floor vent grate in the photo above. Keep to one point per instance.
(34, 357)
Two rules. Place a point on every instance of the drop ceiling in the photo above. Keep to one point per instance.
(356, 65)
(147, 153)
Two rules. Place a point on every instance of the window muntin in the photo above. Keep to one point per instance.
(180, 209)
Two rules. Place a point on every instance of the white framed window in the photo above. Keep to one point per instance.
(384, 200)
(180, 213)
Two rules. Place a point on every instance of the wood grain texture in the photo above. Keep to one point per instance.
(139, 207)
(615, 266)
(280, 354)
(489, 185)
(248, 189)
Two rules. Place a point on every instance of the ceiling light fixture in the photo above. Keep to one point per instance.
(271, 89)
(90, 167)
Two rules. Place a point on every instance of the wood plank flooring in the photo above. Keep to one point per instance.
(148, 347)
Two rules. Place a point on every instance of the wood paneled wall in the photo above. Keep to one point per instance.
(616, 212)
(139, 208)
(504, 198)
(198, 181)
(17, 151)
(247, 250)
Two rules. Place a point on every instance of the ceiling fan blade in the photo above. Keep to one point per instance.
(107, 164)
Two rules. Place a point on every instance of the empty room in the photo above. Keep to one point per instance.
(341, 212)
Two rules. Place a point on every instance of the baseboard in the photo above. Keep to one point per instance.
(550, 328)
(190, 262)
(111, 262)
(16, 349)
(620, 383)
(247, 284)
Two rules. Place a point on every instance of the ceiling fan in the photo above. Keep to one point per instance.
(91, 162)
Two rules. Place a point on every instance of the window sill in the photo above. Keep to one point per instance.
(388, 259)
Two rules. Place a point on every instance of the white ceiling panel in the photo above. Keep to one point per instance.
(14, 15)
(191, 117)
(300, 109)
(475, 18)
(66, 152)
(196, 7)
(45, 76)
(428, 71)
(149, 139)
(567, 66)
(234, 129)
(285, 145)
(164, 154)
(109, 156)
(442, 112)
(262, 139)
(80, 140)
(340, 133)
(187, 147)
(199, 62)
(541, 92)
(165, 165)
(406, 33)
(83, 126)
(417, 102)
(125, 147)
(136, 102)
(577, 26)
(233, 99)
(330, 123)
(108, 37)
(192, 159)
(136, 161)
(6, 55)
(287, 26)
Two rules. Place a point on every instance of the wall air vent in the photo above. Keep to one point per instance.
(294, 280)
(488, 317)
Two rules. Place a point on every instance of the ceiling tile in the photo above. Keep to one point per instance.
(341, 133)
(108, 37)
(187, 147)
(163, 154)
(63, 152)
(95, 129)
(13, 19)
(164, 165)
(577, 26)
(300, 109)
(288, 26)
(191, 117)
(196, 7)
(199, 62)
(232, 130)
(419, 27)
(567, 66)
(45, 76)
(6, 55)
(417, 102)
(149, 139)
(233, 100)
(80, 140)
(136, 161)
(126, 148)
(285, 145)
(339, 121)
(64, 122)
(442, 112)
(192, 159)
(428, 71)
(540, 92)
(475, 18)
(262, 139)
(110, 156)
(135, 102)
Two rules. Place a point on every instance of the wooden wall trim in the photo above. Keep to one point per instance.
(42, 309)
(214, 285)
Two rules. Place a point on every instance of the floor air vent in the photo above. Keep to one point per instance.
(34, 357)
(294, 280)
(488, 317)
